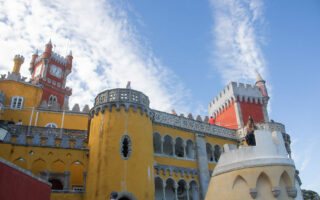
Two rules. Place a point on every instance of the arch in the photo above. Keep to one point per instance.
(240, 188)
(168, 145)
(125, 195)
(58, 166)
(264, 187)
(179, 147)
(209, 152)
(38, 166)
(56, 184)
(284, 183)
(158, 188)
(170, 189)
(52, 100)
(286, 179)
(193, 190)
(157, 143)
(20, 162)
(51, 125)
(190, 149)
(239, 179)
(76, 175)
(217, 152)
(182, 190)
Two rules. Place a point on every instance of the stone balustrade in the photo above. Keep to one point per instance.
(44, 136)
(193, 125)
(272, 126)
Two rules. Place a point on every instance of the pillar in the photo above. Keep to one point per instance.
(66, 180)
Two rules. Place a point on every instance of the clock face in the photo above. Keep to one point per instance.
(55, 71)
(38, 70)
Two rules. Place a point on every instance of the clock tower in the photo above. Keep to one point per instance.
(51, 70)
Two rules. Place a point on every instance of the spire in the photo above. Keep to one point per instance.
(50, 41)
(259, 78)
(35, 52)
(70, 53)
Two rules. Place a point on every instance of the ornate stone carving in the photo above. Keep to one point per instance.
(276, 191)
(253, 192)
(192, 125)
(292, 192)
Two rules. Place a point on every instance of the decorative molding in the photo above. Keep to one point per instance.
(191, 125)
(176, 170)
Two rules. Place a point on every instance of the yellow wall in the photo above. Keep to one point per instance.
(46, 158)
(107, 170)
(236, 184)
(32, 95)
(66, 196)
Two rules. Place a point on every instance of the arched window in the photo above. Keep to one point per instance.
(209, 152)
(179, 147)
(158, 188)
(157, 143)
(182, 190)
(51, 125)
(190, 149)
(167, 145)
(125, 147)
(193, 190)
(217, 152)
(56, 184)
(169, 190)
(52, 100)
(17, 102)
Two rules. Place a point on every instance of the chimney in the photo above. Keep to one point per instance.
(18, 60)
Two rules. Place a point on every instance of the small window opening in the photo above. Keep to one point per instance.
(125, 148)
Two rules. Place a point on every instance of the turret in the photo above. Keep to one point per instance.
(33, 59)
(18, 60)
(121, 146)
(260, 83)
(48, 50)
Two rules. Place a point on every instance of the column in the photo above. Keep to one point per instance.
(162, 141)
(184, 149)
(174, 148)
(238, 113)
(187, 188)
(164, 190)
(204, 177)
(66, 180)
(176, 191)
(47, 174)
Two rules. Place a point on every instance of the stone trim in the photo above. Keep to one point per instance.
(26, 172)
(176, 170)
(192, 126)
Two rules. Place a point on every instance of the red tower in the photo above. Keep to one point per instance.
(233, 106)
(51, 71)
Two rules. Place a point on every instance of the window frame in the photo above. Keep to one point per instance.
(14, 104)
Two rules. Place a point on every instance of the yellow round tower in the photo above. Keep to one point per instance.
(261, 172)
(121, 150)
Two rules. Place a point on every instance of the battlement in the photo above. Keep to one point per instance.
(269, 150)
(235, 92)
(19, 57)
(17, 77)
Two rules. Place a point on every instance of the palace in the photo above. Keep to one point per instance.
(123, 145)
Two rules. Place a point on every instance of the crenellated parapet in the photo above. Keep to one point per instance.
(192, 125)
(45, 137)
(235, 92)
(121, 97)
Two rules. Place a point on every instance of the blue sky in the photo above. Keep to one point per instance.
(183, 53)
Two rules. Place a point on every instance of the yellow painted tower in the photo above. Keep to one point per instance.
(121, 150)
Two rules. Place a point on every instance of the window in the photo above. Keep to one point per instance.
(16, 102)
(52, 100)
(125, 147)
(51, 125)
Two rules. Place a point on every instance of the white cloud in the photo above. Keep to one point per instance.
(106, 48)
(237, 39)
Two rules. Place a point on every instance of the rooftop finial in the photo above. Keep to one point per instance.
(35, 52)
(128, 85)
(259, 78)
(70, 53)
(49, 41)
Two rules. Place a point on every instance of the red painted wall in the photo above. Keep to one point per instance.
(228, 118)
(251, 109)
(16, 185)
(47, 91)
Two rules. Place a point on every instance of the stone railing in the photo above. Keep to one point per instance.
(272, 126)
(122, 95)
(44, 136)
(193, 125)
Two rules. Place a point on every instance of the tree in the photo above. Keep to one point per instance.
(310, 195)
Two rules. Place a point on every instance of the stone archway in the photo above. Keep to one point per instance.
(124, 195)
